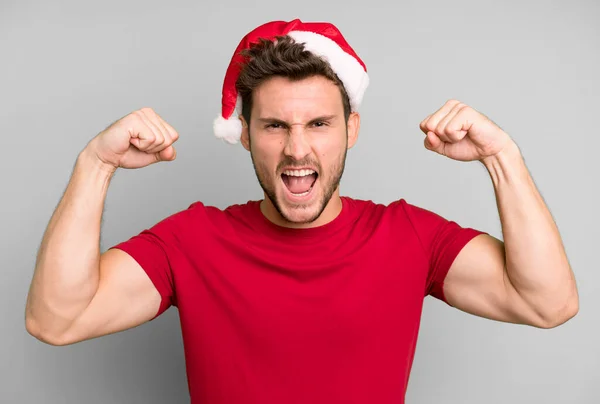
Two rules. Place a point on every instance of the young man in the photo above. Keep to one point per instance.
(304, 296)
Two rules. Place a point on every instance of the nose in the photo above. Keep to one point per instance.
(297, 146)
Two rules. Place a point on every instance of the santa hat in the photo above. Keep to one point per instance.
(320, 38)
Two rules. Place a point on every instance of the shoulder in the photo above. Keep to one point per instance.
(417, 214)
(193, 214)
(221, 219)
(199, 208)
(397, 213)
(399, 208)
(400, 214)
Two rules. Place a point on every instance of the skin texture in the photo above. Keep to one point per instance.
(78, 294)
(527, 279)
(298, 124)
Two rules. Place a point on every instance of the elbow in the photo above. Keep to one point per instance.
(34, 329)
(560, 316)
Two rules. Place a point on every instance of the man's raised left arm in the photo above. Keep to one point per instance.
(527, 279)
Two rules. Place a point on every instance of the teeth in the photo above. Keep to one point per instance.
(298, 173)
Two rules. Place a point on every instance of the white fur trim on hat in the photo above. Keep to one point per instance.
(229, 130)
(349, 70)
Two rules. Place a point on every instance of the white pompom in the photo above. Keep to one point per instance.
(229, 130)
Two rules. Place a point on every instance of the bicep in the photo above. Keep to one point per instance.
(126, 298)
(477, 283)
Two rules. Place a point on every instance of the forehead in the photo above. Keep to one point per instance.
(297, 99)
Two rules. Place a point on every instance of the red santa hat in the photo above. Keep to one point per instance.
(321, 38)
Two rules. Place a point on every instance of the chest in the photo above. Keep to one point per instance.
(349, 297)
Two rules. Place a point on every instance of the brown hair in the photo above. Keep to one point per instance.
(284, 58)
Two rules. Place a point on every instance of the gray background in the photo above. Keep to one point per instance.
(70, 68)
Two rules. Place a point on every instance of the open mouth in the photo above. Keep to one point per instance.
(299, 182)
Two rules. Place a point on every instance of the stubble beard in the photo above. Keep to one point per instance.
(267, 183)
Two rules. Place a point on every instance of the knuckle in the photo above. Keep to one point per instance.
(146, 110)
(460, 106)
(440, 128)
(137, 117)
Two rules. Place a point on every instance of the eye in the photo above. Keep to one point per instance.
(274, 126)
(319, 124)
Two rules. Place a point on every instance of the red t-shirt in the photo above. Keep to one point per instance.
(277, 315)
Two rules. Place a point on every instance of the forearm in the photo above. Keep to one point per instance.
(66, 274)
(536, 262)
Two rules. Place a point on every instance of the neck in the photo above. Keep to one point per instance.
(331, 211)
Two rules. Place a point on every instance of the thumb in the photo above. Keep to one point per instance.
(167, 154)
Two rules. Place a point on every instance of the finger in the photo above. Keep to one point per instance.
(162, 140)
(423, 122)
(164, 144)
(434, 143)
(160, 124)
(141, 136)
(450, 132)
(159, 139)
(462, 121)
(167, 154)
(172, 132)
(432, 122)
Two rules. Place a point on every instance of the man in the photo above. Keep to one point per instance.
(304, 296)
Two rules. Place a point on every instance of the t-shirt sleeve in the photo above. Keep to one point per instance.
(441, 240)
(157, 250)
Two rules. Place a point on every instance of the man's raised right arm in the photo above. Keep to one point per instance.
(76, 292)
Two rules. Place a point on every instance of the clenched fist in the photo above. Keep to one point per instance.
(461, 133)
(134, 141)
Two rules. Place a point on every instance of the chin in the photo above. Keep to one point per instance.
(303, 209)
(300, 214)
(300, 208)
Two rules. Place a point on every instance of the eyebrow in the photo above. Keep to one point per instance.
(323, 118)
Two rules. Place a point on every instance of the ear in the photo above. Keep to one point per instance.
(353, 128)
(245, 137)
